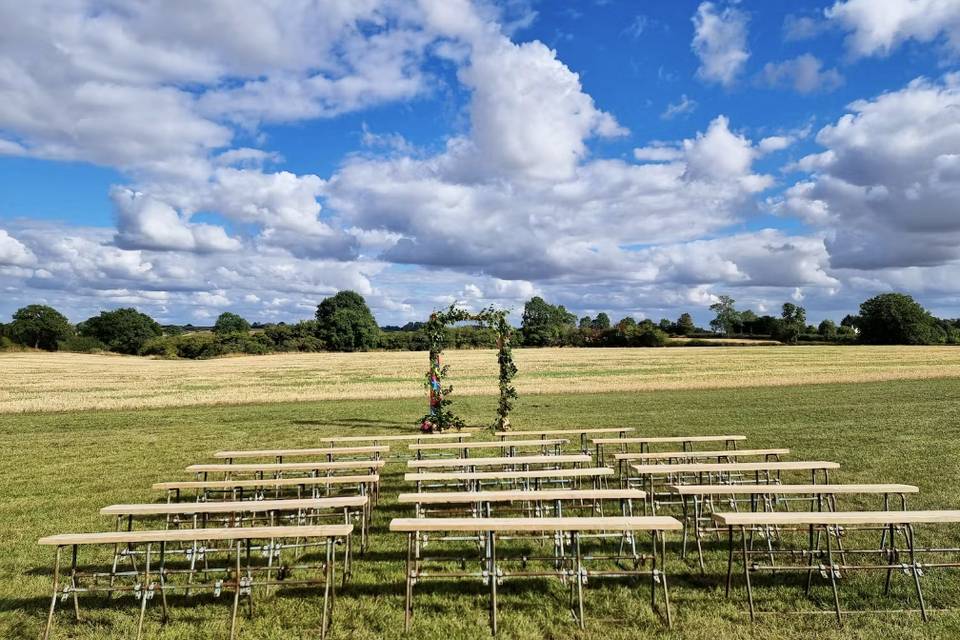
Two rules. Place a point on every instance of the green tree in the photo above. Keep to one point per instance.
(544, 324)
(793, 322)
(896, 318)
(685, 325)
(666, 326)
(40, 327)
(230, 323)
(121, 330)
(601, 322)
(827, 329)
(585, 322)
(345, 323)
(727, 316)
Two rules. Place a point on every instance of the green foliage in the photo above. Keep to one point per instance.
(793, 322)
(40, 327)
(601, 322)
(82, 344)
(685, 325)
(827, 329)
(896, 318)
(122, 330)
(345, 323)
(544, 324)
(727, 316)
(230, 323)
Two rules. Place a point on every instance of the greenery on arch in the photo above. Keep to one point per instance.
(441, 417)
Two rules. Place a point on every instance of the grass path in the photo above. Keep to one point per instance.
(60, 468)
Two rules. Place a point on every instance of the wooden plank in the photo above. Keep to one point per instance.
(562, 432)
(400, 438)
(189, 535)
(549, 495)
(792, 489)
(591, 472)
(500, 461)
(502, 444)
(291, 453)
(725, 453)
(667, 439)
(723, 467)
(286, 466)
(507, 525)
(266, 483)
(865, 518)
(249, 506)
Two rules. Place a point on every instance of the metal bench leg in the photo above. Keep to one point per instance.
(833, 579)
(663, 576)
(746, 571)
(163, 592)
(143, 593)
(327, 584)
(408, 608)
(729, 560)
(492, 571)
(579, 578)
(73, 583)
(53, 599)
(236, 595)
(916, 572)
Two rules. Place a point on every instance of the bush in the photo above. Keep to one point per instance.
(651, 338)
(82, 344)
(121, 330)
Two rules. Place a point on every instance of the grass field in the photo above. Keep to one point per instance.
(69, 382)
(61, 467)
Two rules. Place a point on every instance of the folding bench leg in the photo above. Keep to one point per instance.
(492, 572)
(729, 560)
(236, 595)
(746, 571)
(578, 580)
(327, 585)
(143, 593)
(833, 580)
(73, 583)
(663, 576)
(916, 572)
(53, 599)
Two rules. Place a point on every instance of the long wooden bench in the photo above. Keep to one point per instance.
(568, 565)
(148, 579)
(565, 433)
(508, 461)
(532, 479)
(891, 558)
(767, 497)
(285, 467)
(258, 489)
(418, 437)
(463, 448)
(686, 442)
(280, 454)
(674, 457)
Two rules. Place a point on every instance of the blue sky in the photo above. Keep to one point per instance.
(638, 158)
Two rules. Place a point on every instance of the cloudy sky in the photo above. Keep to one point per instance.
(634, 157)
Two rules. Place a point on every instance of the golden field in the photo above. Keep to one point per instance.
(42, 382)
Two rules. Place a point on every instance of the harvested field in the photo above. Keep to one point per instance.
(62, 381)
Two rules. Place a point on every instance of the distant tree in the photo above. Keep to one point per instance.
(39, 326)
(827, 329)
(544, 324)
(793, 322)
(685, 325)
(230, 323)
(849, 321)
(896, 318)
(666, 326)
(727, 316)
(601, 322)
(585, 322)
(121, 330)
(345, 323)
(746, 321)
(627, 322)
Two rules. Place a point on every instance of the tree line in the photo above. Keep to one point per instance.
(344, 322)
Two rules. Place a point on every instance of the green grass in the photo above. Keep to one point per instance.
(60, 468)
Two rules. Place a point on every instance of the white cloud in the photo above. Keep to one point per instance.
(720, 42)
(14, 253)
(877, 27)
(683, 106)
(804, 74)
(146, 223)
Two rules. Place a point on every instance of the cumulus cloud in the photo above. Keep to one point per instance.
(804, 74)
(14, 253)
(720, 42)
(877, 27)
(146, 223)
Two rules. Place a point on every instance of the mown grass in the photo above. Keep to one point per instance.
(60, 468)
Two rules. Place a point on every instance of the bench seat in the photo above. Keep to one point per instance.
(290, 453)
(500, 461)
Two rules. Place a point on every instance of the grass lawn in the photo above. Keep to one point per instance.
(59, 468)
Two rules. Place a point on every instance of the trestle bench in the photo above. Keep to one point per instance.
(463, 449)
(279, 454)
(259, 489)
(508, 461)
(564, 433)
(686, 442)
(533, 479)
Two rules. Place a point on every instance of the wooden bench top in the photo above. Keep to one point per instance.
(505, 525)
(266, 483)
(399, 438)
(667, 439)
(287, 466)
(323, 451)
(189, 535)
(723, 467)
(803, 489)
(233, 506)
(500, 444)
(499, 461)
(727, 453)
(464, 497)
(591, 472)
(562, 432)
(865, 518)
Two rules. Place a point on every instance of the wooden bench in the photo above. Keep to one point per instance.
(153, 578)
(564, 433)
(277, 468)
(568, 565)
(532, 479)
(890, 558)
(418, 437)
(674, 457)
(686, 442)
(280, 454)
(508, 461)
(257, 489)
(766, 497)
(463, 448)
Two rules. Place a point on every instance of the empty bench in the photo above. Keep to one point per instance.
(533, 479)
(463, 449)
(570, 567)
(685, 442)
(566, 433)
(676, 457)
(330, 453)
(261, 489)
(517, 462)
(158, 576)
